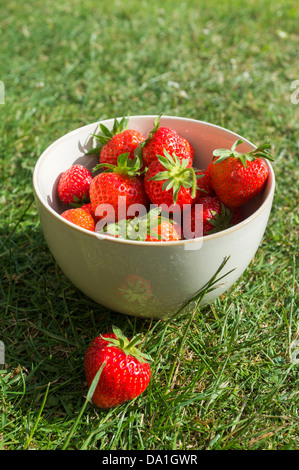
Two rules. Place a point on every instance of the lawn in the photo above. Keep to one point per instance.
(229, 378)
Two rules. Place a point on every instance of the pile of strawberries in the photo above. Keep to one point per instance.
(154, 177)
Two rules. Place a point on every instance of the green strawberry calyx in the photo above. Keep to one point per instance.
(139, 148)
(177, 174)
(137, 228)
(79, 202)
(261, 151)
(127, 346)
(107, 134)
(125, 165)
(220, 221)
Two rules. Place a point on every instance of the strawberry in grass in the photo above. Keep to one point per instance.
(117, 188)
(164, 138)
(80, 217)
(73, 185)
(116, 142)
(125, 373)
(238, 177)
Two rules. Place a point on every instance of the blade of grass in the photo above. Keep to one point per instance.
(37, 419)
(198, 298)
(87, 400)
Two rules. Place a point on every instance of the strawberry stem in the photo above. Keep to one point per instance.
(261, 151)
(139, 148)
(139, 227)
(107, 134)
(125, 165)
(127, 346)
(178, 174)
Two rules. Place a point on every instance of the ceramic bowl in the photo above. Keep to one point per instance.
(161, 276)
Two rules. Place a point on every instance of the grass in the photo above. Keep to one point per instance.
(225, 380)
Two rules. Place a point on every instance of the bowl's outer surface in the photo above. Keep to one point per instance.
(168, 274)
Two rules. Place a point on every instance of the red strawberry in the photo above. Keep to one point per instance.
(208, 174)
(237, 178)
(88, 207)
(170, 181)
(73, 185)
(149, 227)
(80, 217)
(161, 138)
(164, 232)
(117, 141)
(125, 370)
(185, 149)
(213, 218)
(237, 216)
(119, 187)
(204, 184)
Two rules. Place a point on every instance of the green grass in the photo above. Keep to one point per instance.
(226, 380)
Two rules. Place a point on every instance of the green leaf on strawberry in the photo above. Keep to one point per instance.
(261, 151)
(178, 173)
(138, 151)
(107, 134)
(220, 221)
(125, 165)
(138, 228)
(79, 202)
(128, 346)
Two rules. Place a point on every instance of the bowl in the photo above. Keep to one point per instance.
(146, 279)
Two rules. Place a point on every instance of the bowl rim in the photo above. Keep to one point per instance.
(206, 238)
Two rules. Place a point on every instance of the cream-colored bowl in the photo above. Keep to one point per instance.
(146, 279)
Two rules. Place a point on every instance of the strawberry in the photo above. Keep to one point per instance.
(117, 188)
(164, 232)
(88, 207)
(149, 227)
(125, 371)
(204, 183)
(161, 138)
(73, 185)
(237, 178)
(116, 142)
(170, 181)
(237, 216)
(208, 174)
(213, 218)
(80, 217)
(185, 149)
